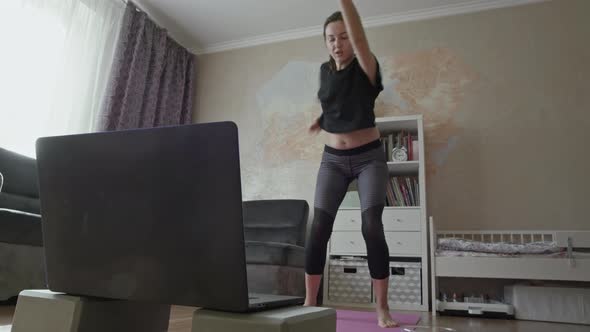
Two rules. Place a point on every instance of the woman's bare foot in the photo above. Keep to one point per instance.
(384, 318)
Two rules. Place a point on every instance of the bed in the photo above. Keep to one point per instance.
(531, 255)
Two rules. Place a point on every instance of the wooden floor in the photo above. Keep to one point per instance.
(180, 321)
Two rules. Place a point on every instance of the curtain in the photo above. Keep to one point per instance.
(151, 83)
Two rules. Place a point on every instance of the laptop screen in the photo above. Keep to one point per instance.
(147, 214)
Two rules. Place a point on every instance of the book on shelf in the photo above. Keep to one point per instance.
(402, 191)
(403, 139)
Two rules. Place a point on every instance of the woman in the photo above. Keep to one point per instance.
(349, 84)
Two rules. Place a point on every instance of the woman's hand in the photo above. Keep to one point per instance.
(315, 127)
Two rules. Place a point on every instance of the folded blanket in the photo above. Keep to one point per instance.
(545, 247)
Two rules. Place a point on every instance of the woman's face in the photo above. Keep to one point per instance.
(338, 43)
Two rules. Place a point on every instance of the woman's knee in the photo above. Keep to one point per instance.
(372, 225)
(321, 227)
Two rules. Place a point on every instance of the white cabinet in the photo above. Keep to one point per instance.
(401, 219)
(403, 243)
(347, 243)
(405, 232)
(394, 219)
(402, 233)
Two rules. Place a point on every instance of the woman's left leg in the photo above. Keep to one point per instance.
(372, 176)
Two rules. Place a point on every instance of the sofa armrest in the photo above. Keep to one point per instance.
(20, 174)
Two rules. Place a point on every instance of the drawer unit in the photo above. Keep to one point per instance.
(401, 219)
(393, 220)
(353, 243)
(403, 243)
(347, 243)
(348, 220)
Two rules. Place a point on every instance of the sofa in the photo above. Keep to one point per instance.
(275, 232)
(21, 243)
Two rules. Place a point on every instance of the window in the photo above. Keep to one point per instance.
(54, 65)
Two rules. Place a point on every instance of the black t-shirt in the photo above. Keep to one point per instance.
(347, 97)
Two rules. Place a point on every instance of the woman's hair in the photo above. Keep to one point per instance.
(335, 17)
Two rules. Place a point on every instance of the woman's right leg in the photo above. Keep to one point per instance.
(331, 186)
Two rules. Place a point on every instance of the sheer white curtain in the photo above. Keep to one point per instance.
(54, 64)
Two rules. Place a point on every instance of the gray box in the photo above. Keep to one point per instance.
(46, 311)
(405, 283)
(349, 280)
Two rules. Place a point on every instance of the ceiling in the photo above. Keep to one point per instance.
(206, 26)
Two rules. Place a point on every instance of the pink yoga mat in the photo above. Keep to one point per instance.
(366, 321)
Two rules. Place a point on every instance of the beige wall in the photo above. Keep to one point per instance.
(505, 96)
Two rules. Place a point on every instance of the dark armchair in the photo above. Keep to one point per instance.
(275, 232)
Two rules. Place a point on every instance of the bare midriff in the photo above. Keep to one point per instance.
(353, 139)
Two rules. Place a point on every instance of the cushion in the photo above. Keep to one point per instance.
(18, 227)
(280, 220)
(274, 253)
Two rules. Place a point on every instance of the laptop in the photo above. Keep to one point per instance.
(148, 215)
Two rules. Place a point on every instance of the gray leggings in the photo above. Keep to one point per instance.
(338, 168)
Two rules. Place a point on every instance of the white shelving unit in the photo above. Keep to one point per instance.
(403, 167)
(346, 279)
